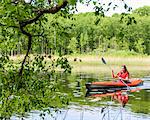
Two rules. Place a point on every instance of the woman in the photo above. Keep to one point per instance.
(123, 74)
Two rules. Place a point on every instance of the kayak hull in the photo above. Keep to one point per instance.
(113, 84)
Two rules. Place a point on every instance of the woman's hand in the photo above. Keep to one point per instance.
(113, 76)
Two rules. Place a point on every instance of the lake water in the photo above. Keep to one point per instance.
(83, 108)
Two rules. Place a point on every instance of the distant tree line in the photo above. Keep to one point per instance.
(85, 32)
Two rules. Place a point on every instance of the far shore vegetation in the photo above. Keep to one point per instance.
(92, 63)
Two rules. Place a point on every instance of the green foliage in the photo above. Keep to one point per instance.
(140, 45)
(143, 11)
(63, 62)
(65, 33)
(36, 89)
(122, 53)
(73, 45)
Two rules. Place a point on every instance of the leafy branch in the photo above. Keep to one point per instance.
(40, 13)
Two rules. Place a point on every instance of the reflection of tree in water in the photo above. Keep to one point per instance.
(139, 102)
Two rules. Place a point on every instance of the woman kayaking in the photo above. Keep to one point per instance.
(123, 74)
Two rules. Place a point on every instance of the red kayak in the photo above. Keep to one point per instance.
(113, 84)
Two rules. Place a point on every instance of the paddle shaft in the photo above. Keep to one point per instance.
(125, 84)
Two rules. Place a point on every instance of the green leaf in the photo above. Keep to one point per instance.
(72, 2)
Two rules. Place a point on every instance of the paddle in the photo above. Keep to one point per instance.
(125, 84)
(103, 60)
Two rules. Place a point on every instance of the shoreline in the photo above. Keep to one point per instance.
(93, 63)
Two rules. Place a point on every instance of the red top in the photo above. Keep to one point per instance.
(122, 75)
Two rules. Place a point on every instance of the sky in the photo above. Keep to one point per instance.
(132, 3)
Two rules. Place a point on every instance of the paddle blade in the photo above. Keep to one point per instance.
(103, 60)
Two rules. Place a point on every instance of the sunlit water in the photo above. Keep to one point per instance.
(136, 109)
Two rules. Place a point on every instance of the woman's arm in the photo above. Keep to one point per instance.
(114, 76)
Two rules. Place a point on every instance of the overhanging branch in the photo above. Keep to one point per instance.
(24, 23)
(40, 12)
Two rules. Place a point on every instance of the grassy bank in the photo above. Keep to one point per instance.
(93, 63)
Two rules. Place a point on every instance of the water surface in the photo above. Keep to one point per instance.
(83, 108)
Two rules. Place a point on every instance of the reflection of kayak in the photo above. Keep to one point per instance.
(112, 84)
(120, 95)
(107, 90)
(111, 93)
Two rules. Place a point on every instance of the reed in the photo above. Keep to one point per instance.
(93, 63)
